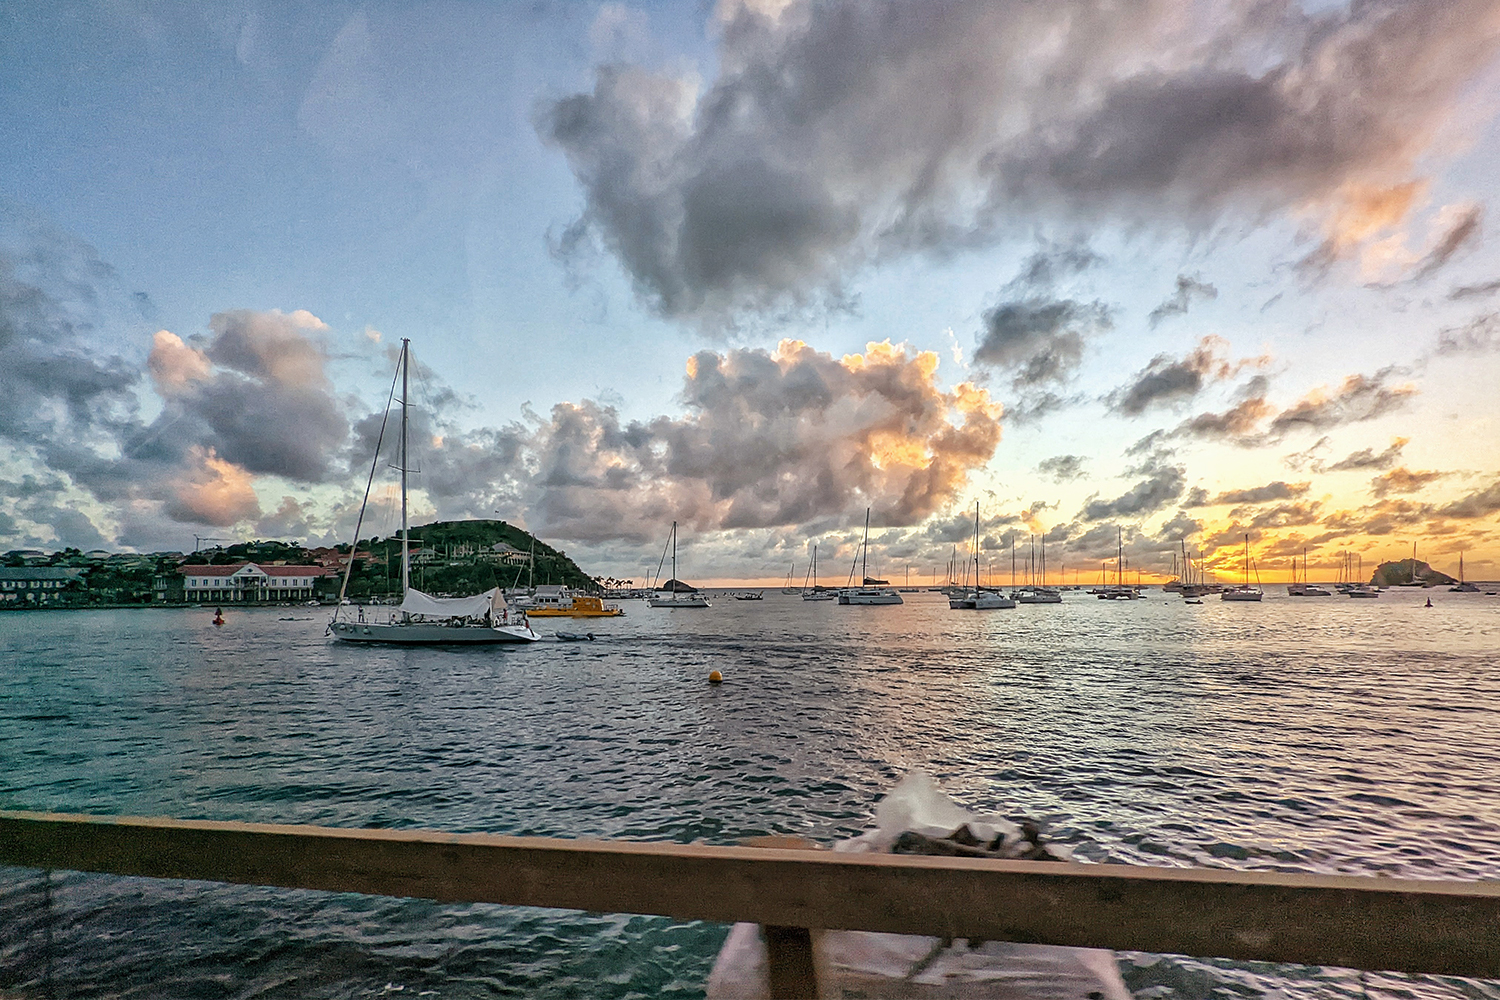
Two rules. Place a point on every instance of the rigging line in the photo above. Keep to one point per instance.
(663, 561)
(359, 522)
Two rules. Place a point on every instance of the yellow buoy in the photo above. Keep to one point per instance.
(714, 677)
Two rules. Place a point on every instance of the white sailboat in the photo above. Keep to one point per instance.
(1303, 587)
(1244, 592)
(814, 593)
(676, 596)
(421, 619)
(1463, 586)
(980, 599)
(869, 591)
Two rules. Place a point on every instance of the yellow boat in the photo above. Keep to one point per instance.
(583, 606)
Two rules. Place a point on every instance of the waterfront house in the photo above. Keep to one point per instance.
(37, 585)
(249, 581)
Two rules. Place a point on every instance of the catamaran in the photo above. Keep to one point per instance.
(421, 619)
(869, 591)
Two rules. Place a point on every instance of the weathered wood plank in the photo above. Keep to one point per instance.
(1401, 925)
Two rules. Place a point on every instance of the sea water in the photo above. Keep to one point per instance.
(1314, 734)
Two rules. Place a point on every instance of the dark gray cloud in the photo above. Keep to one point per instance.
(1480, 503)
(1168, 380)
(256, 392)
(1189, 288)
(1480, 335)
(1359, 398)
(1240, 422)
(839, 133)
(1464, 230)
(1159, 489)
(1039, 341)
(1263, 494)
(1368, 458)
(1475, 291)
(1062, 468)
(1403, 480)
(1052, 262)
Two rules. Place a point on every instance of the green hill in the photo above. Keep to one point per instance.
(456, 567)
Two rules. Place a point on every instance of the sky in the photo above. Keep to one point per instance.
(1167, 275)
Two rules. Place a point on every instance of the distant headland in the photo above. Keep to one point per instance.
(447, 557)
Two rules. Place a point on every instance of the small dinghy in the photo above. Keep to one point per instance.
(575, 637)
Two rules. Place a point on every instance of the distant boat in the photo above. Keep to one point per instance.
(750, 595)
(421, 619)
(679, 594)
(1303, 588)
(1462, 587)
(869, 591)
(980, 599)
(579, 606)
(1244, 592)
(788, 588)
(814, 592)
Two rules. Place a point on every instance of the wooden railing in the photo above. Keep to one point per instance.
(1444, 927)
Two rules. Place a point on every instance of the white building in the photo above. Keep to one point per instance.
(249, 582)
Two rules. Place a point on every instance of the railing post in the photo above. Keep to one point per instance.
(791, 952)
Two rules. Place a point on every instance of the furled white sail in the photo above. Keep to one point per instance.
(418, 603)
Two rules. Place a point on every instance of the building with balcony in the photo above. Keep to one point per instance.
(248, 581)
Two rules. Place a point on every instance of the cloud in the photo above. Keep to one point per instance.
(1263, 494)
(1474, 291)
(1403, 480)
(1062, 468)
(1188, 289)
(1359, 398)
(769, 439)
(1167, 379)
(1367, 458)
(1238, 423)
(1481, 503)
(1039, 340)
(212, 491)
(1281, 515)
(1052, 262)
(256, 393)
(1461, 227)
(840, 133)
(1159, 489)
(1480, 335)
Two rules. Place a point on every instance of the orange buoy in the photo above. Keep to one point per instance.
(714, 677)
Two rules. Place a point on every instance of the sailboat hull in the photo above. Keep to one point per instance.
(869, 597)
(678, 602)
(430, 634)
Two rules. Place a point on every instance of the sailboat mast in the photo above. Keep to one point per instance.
(976, 546)
(674, 557)
(864, 565)
(405, 528)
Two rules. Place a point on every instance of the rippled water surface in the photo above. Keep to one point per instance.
(1301, 735)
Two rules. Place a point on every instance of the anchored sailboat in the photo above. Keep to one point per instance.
(1244, 592)
(980, 599)
(869, 591)
(423, 620)
(679, 594)
(814, 593)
